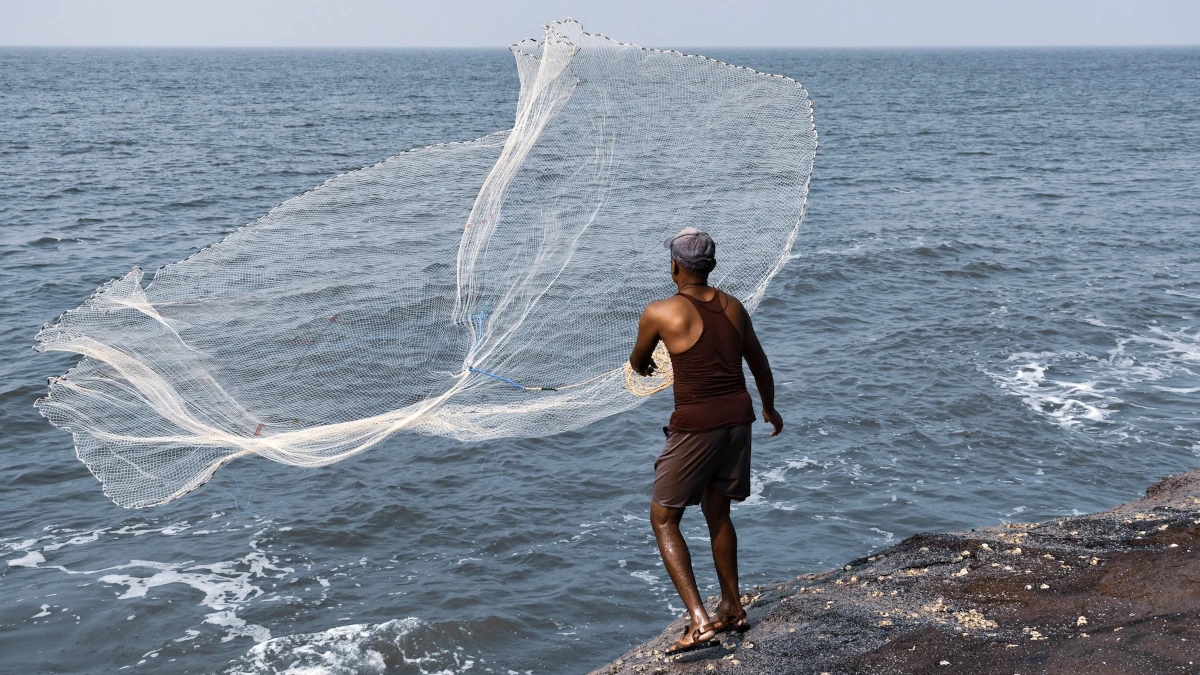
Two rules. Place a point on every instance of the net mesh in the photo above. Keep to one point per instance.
(472, 290)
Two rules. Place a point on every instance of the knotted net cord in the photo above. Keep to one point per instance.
(472, 290)
(648, 385)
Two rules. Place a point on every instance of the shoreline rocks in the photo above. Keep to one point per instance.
(1110, 592)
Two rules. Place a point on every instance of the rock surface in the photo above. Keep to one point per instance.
(1112, 592)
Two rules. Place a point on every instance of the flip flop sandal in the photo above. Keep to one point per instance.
(737, 623)
(696, 643)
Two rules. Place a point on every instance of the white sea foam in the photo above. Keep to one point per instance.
(1067, 403)
(228, 586)
(356, 648)
(1078, 390)
(1009, 516)
(888, 537)
(75, 541)
(760, 479)
(20, 545)
(1180, 343)
(236, 626)
(645, 575)
(31, 559)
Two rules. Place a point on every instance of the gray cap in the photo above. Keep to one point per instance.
(693, 249)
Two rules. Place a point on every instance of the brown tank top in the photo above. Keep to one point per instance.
(710, 388)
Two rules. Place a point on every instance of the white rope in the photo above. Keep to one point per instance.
(662, 378)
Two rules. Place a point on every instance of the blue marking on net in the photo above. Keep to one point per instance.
(479, 318)
(473, 369)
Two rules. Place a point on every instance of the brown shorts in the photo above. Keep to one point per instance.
(692, 463)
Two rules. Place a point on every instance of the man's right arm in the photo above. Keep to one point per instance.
(756, 358)
(641, 358)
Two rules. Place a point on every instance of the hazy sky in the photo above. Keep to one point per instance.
(667, 23)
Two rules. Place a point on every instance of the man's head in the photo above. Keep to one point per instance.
(694, 251)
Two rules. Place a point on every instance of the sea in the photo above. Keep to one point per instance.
(991, 315)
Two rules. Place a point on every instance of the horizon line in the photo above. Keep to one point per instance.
(505, 47)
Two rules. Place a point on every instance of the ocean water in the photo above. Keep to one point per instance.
(992, 314)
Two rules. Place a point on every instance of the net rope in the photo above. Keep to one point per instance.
(472, 290)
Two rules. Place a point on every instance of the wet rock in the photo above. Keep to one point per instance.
(1112, 592)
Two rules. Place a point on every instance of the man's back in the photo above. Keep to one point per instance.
(710, 388)
(680, 322)
(677, 321)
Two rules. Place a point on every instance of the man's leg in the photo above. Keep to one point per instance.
(724, 549)
(678, 561)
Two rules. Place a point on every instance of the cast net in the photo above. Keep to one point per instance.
(473, 290)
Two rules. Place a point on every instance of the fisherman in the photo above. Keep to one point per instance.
(706, 459)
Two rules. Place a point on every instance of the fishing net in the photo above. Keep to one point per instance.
(472, 290)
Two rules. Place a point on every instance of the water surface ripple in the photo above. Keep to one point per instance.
(992, 314)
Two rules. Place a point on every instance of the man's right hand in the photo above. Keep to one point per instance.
(771, 416)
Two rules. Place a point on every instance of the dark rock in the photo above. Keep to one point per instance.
(1112, 592)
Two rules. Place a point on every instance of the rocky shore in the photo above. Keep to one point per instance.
(1112, 592)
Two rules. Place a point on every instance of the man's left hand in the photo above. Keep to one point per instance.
(771, 416)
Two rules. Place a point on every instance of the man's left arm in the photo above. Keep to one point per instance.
(647, 340)
(760, 367)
